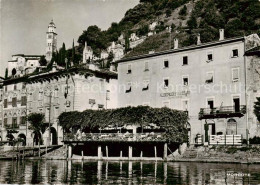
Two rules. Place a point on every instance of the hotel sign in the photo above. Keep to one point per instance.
(175, 94)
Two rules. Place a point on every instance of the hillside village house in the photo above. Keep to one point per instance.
(209, 81)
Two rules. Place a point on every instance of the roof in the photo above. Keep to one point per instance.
(188, 48)
(75, 70)
(253, 51)
(23, 55)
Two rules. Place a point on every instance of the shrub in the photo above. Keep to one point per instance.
(254, 140)
(183, 11)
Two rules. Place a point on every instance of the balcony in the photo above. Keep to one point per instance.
(222, 112)
(116, 137)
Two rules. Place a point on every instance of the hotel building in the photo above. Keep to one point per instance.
(208, 80)
(52, 93)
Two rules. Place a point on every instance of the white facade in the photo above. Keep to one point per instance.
(23, 64)
(189, 79)
(87, 53)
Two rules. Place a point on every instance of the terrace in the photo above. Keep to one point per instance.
(116, 137)
(222, 112)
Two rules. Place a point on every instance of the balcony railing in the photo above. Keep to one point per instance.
(222, 112)
(127, 137)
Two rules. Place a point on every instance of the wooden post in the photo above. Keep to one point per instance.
(233, 139)
(107, 151)
(82, 154)
(141, 155)
(165, 148)
(99, 152)
(155, 151)
(225, 139)
(70, 151)
(130, 152)
(121, 154)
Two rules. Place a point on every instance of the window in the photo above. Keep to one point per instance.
(235, 74)
(14, 122)
(129, 70)
(185, 80)
(209, 77)
(23, 100)
(166, 64)
(236, 103)
(40, 95)
(23, 86)
(166, 83)
(185, 106)
(14, 102)
(5, 103)
(108, 95)
(56, 93)
(128, 87)
(146, 67)
(145, 85)
(210, 103)
(47, 114)
(5, 121)
(166, 104)
(100, 106)
(56, 112)
(209, 56)
(22, 120)
(5, 88)
(235, 53)
(185, 60)
(15, 87)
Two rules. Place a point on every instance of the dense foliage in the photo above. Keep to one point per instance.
(254, 140)
(173, 121)
(237, 17)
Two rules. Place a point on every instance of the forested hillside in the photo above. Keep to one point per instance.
(187, 18)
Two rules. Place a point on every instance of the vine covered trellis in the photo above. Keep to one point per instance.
(173, 121)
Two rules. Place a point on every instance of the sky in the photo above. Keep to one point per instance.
(23, 23)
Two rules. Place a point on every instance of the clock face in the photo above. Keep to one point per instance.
(49, 36)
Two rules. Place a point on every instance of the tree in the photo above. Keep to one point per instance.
(43, 61)
(73, 57)
(14, 71)
(38, 126)
(183, 11)
(6, 73)
(257, 108)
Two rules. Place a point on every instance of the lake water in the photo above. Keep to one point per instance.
(103, 172)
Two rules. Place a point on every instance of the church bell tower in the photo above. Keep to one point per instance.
(51, 41)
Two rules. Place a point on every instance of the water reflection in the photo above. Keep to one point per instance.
(104, 172)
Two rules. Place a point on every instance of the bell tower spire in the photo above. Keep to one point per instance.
(51, 40)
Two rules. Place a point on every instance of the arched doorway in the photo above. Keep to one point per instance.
(54, 138)
(231, 126)
(22, 138)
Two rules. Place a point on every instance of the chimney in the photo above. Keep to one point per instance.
(221, 34)
(176, 43)
(198, 39)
